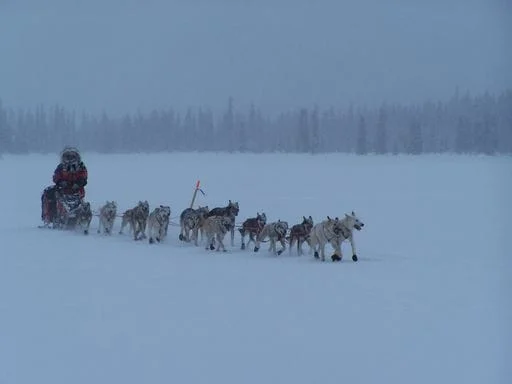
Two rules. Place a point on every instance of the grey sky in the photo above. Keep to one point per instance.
(279, 54)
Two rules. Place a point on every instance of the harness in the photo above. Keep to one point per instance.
(300, 230)
(160, 218)
(280, 230)
(253, 225)
(325, 230)
(346, 234)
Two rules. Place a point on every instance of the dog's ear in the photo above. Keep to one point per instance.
(304, 218)
(328, 218)
(353, 214)
(310, 217)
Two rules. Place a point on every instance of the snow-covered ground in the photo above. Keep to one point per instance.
(428, 302)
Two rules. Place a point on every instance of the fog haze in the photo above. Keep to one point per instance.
(123, 55)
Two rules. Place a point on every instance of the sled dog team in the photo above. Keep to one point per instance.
(213, 225)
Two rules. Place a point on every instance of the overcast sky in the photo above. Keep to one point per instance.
(123, 55)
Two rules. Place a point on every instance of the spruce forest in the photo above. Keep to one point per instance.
(464, 124)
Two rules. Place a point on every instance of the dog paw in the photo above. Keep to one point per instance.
(354, 257)
(316, 255)
(256, 249)
(335, 257)
(212, 247)
(151, 241)
(242, 247)
(86, 232)
(279, 252)
(181, 237)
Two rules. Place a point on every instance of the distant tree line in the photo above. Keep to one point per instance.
(463, 124)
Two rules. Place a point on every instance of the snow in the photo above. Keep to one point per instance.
(427, 302)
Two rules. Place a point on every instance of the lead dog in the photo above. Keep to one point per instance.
(334, 232)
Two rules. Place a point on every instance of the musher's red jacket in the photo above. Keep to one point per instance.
(71, 179)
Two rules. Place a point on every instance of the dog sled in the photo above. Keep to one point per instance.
(70, 210)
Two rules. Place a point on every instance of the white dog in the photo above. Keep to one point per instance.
(107, 217)
(334, 232)
(158, 223)
(275, 231)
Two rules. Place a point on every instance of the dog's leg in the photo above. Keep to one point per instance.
(186, 233)
(233, 233)
(207, 242)
(135, 229)
(220, 238)
(251, 238)
(322, 250)
(87, 225)
(272, 247)
(283, 245)
(336, 244)
(100, 223)
(180, 236)
(150, 232)
(143, 231)
(257, 244)
(353, 245)
(194, 235)
(242, 238)
(312, 244)
(210, 240)
(124, 222)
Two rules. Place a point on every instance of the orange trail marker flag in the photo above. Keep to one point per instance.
(195, 193)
